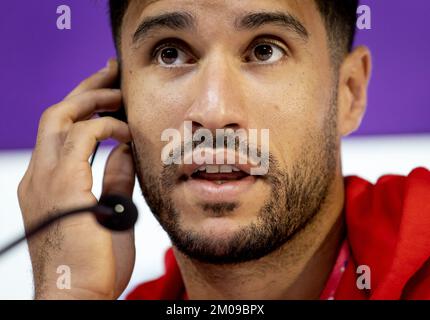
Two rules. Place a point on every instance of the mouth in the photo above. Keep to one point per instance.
(213, 183)
(218, 183)
(217, 174)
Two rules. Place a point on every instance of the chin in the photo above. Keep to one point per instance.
(217, 229)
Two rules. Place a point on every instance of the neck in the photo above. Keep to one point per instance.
(298, 270)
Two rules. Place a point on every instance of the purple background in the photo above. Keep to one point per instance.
(40, 64)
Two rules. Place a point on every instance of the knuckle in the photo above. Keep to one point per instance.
(105, 122)
(54, 114)
(47, 114)
(109, 125)
(86, 82)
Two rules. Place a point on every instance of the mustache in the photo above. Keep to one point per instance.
(240, 147)
(169, 172)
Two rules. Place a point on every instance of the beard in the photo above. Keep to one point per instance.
(296, 196)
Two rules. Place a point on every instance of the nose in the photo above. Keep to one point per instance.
(218, 96)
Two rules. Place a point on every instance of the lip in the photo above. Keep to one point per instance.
(209, 191)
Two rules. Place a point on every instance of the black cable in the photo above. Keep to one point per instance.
(94, 153)
(45, 224)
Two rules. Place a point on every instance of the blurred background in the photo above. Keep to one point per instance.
(40, 64)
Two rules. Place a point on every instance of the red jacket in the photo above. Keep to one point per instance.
(388, 230)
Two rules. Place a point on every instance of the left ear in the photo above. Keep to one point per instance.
(354, 76)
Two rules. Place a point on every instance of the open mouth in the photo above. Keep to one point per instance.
(217, 183)
(218, 174)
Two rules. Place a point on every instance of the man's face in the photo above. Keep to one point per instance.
(231, 64)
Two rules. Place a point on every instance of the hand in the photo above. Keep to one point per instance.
(59, 178)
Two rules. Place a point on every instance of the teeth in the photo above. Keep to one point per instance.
(226, 169)
(217, 169)
(212, 169)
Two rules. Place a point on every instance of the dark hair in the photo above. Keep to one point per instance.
(339, 16)
(117, 9)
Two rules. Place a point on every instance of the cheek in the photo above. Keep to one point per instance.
(155, 102)
(294, 112)
(152, 107)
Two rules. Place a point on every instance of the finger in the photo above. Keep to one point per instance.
(104, 78)
(119, 174)
(88, 103)
(57, 120)
(84, 135)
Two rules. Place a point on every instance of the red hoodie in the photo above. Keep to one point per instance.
(388, 230)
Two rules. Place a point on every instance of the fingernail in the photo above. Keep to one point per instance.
(111, 62)
(108, 65)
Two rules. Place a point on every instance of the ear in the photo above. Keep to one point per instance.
(354, 76)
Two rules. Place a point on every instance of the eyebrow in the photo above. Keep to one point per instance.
(253, 20)
(173, 21)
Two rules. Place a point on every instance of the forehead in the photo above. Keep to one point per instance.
(144, 4)
(221, 12)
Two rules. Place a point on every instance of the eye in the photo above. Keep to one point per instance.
(171, 55)
(266, 52)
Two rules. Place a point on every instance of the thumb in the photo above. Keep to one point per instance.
(119, 174)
